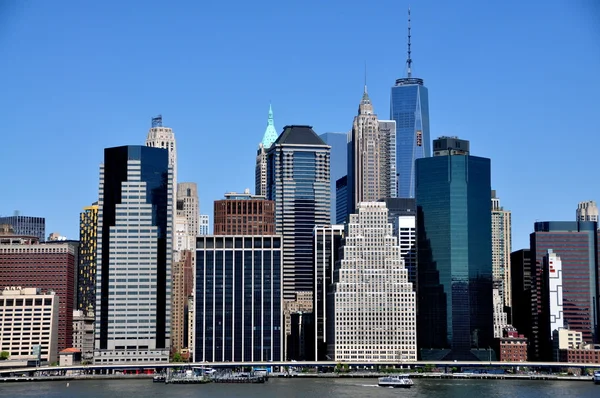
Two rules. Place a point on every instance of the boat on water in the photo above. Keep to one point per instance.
(395, 382)
(159, 378)
(596, 377)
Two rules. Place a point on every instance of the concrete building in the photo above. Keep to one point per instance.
(587, 211)
(500, 317)
(454, 233)
(338, 166)
(182, 288)
(47, 266)
(83, 333)
(188, 206)
(373, 302)
(135, 254)
(244, 214)
(269, 138)
(238, 313)
(565, 339)
(29, 318)
(371, 157)
(501, 249)
(86, 267)
(326, 248)
(26, 225)
(204, 223)
(163, 137)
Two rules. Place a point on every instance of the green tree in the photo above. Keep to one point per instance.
(4, 355)
(177, 357)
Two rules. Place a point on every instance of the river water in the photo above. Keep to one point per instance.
(312, 388)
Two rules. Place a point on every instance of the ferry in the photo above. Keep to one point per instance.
(395, 382)
(596, 377)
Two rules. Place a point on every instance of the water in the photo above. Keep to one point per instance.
(313, 388)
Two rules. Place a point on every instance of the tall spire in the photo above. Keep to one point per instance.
(409, 60)
(270, 135)
(270, 121)
(365, 90)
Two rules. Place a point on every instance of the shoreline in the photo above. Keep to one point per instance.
(444, 376)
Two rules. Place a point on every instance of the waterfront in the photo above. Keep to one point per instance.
(303, 388)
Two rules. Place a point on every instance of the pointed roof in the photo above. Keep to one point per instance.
(270, 135)
(299, 135)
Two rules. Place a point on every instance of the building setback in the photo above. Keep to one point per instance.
(86, 269)
(454, 236)
(372, 301)
(45, 266)
(28, 318)
(238, 314)
(135, 248)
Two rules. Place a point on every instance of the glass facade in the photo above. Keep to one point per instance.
(576, 243)
(25, 225)
(453, 195)
(341, 195)
(409, 108)
(86, 270)
(238, 299)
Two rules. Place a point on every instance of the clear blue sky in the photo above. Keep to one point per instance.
(519, 79)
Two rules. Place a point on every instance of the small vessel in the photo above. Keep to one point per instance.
(159, 378)
(596, 377)
(395, 382)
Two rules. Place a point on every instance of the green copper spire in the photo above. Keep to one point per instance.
(270, 135)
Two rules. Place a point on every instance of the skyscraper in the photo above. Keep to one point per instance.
(135, 249)
(409, 108)
(520, 263)
(587, 211)
(339, 165)
(25, 225)
(269, 138)
(501, 249)
(86, 269)
(374, 307)
(298, 182)
(163, 137)
(454, 236)
(244, 214)
(372, 157)
(189, 207)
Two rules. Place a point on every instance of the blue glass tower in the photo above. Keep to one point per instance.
(409, 107)
(454, 234)
(339, 164)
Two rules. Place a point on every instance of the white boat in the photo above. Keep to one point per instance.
(395, 382)
(596, 377)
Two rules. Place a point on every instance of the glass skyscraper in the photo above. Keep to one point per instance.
(25, 225)
(409, 108)
(86, 270)
(453, 195)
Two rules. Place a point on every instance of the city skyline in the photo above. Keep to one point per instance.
(68, 106)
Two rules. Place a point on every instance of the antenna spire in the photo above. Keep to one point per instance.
(409, 60)
(365, 92)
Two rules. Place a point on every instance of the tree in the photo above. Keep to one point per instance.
(4, 355)
(177, 357)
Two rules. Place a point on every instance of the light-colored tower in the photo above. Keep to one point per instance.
(587, 211)
(188, 206)
(501, 248)
(374, 304)
(373, 156)
(553, 266)
(163, 137)
(269, 138)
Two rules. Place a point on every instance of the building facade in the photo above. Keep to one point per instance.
(164, 137)
(454, 235)
(341, 199)
(409, 108)
(188, 206)
(45, 266)
(298, 183)
(587, 211)
(182, 288)
(25, 225)
(135, 253)
(83, 333)
(326, 247)
(520, 264)
(338, 166)
(512, 346)
(238, 313)
(204, 222)
(576, 243)
(244, 214)
(501, 249)
(29, 318)
(269, 138)
(372, 157)
(86, 268)
(372, 301)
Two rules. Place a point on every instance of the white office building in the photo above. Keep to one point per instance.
(374, 304)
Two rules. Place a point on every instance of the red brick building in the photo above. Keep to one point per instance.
(49, 266)
(244, 214)
(512, 346)
(584, 354)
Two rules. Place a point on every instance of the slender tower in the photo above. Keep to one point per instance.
(409, 108)
(261, 155)
(163, 137)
